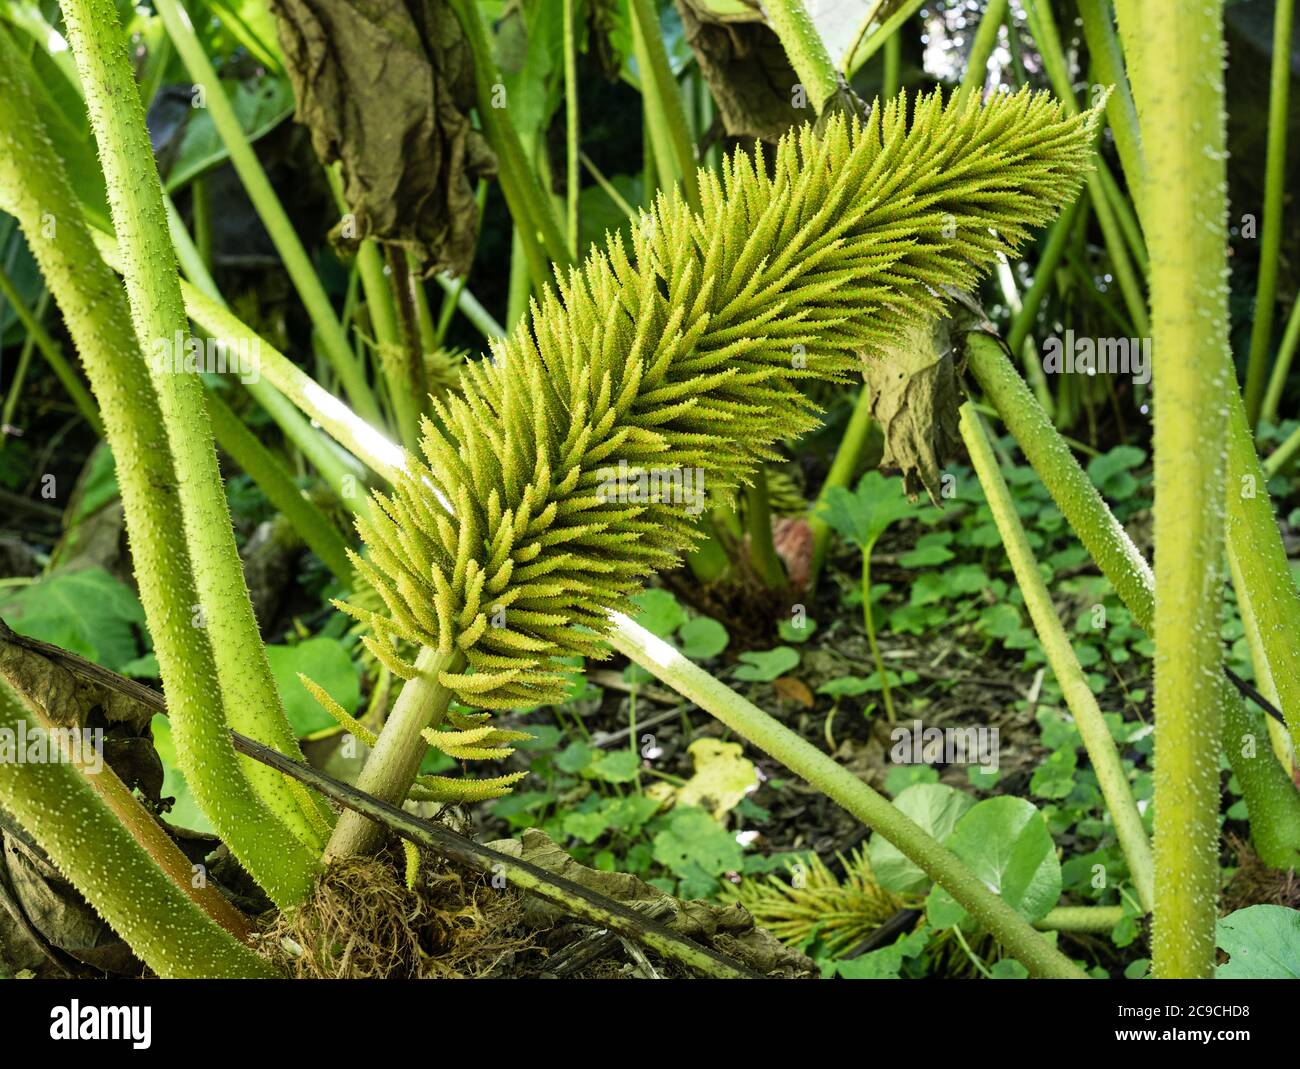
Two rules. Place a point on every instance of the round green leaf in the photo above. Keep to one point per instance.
(1005, 842)
(765, 666)
(658, 612)
(702, 638)
(1262, 943)
(937, 808)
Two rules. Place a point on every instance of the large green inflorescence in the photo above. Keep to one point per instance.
(570, 467)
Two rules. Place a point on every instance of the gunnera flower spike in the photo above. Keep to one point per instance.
(685, 356)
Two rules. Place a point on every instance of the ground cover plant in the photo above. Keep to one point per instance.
(609, 488)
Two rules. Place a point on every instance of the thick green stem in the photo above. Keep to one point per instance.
(1097, 739)
(34, 186)
(249, 694)
(115, 873)
(1259, 560)
(805, 49)
(845, 789)
(1261, 331)
(29, 669)
(1273, 801)
(1180, 105)
(269, 209)
(1082, 919)
(1049, 454)
(394, 763)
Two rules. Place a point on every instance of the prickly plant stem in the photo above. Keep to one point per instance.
(1097, 739)
(393, 764)
(1049, 454)
(1261, 331)
(142, 825)
(845, 789)
(1273, 799)
(1260, 565)
(869, 619)
(1185, 146)
(34, 187)
(223, 609)
(1081, 919)
(269, 209)
(79, 831)
(805, 49)
(322, 453)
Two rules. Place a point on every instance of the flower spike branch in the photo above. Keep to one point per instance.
(512, 545)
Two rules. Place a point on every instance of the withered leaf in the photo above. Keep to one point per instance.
(728, 928)
(747, 70)
(386, 87)
(915, 394)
